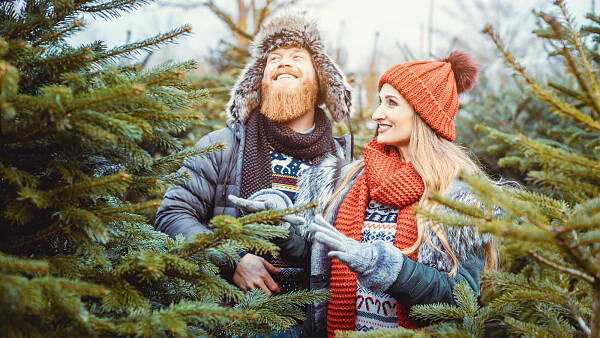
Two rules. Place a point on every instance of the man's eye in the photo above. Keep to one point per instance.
(298, 57)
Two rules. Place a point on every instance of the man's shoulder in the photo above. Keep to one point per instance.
(225, 135)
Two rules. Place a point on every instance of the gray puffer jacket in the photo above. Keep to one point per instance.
(186, 208)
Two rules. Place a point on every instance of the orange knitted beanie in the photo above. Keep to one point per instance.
(432, 88)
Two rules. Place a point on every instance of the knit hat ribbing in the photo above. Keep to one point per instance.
(431, 88)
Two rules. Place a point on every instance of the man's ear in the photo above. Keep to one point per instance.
(334, 91)
(245, 94)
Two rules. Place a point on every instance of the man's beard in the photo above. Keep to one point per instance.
(284, 103)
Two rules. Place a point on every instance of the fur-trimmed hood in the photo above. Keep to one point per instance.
(286, 30)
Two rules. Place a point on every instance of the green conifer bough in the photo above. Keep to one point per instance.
(77, 258)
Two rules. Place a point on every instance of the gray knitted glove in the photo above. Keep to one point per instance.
(358, 257)
(376, 264)
(267, 199)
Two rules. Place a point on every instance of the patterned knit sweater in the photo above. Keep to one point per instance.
(285, 171)
(374, 309)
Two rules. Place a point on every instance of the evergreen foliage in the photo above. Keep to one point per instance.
(77, 257)
(549, 285)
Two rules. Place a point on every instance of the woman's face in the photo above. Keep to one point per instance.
(394, 118)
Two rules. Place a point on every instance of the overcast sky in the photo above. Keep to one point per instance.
(351, 24)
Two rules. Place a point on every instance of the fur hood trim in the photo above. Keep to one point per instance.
(463, 241)
(287, 30)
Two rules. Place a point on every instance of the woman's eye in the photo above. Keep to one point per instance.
(298, 57)
(391, 103)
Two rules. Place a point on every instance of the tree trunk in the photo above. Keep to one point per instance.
(595, 324)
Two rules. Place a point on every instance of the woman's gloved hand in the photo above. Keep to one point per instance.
(376, 264)
(358, 257)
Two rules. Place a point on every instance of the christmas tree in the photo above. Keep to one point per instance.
(77, 257)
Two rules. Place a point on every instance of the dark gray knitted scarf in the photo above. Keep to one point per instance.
(262, 132)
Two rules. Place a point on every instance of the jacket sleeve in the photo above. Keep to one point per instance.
(421, 284)
(187, 207)
(411, 282)
(294, 248)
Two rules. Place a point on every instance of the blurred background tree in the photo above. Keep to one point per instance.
(77, 256)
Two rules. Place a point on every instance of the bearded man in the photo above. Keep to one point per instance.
(275, 131)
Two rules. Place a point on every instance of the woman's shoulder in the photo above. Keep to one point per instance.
(464, 241)
(326, 174)
(462, 192)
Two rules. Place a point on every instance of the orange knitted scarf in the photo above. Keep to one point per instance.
(386, 180)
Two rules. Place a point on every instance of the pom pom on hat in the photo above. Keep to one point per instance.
(464, 69)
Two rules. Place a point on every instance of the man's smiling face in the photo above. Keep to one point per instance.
(289, 67)
(289, 84)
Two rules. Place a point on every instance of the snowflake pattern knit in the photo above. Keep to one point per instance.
(377, 310)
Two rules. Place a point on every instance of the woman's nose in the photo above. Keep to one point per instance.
(378, 115)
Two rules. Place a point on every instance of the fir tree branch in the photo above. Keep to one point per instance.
(79, 287)
(570, 271)
(177, 158)
(76, 24)
(26, 136)
(558, 154)
(545, 95)
(16, 264)
(143, 44)
(49, 231)
(119, 92)
(91, 184)
(112, 8)
(583, 259)
(272, 215)
(574, 307)
(130, 208)
(527, 329)
(595, 90)
(519, 207)
(571, 63)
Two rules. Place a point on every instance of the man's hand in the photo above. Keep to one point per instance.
(252, 272)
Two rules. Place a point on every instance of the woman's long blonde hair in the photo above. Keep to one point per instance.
(438, 162)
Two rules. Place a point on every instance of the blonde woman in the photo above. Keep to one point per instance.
(383, 258)
(373, 253)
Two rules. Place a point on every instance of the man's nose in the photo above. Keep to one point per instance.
(285, 61)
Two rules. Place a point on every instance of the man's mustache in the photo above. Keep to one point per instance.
(290, 71)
